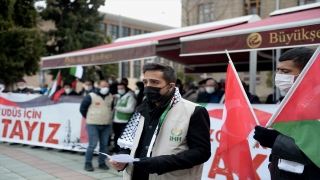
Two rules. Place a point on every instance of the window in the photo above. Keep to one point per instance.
(126, 70)
(103, 28)
(136, 69)
(246, 77)
(303, 2)
(136, 31)
(125, 31)
(147, 32)
(252, 7)
(114, 32)
(205, 13)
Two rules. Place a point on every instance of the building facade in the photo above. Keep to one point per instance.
(204, 11)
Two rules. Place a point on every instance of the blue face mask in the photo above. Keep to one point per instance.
(1, 87)
(43, 90)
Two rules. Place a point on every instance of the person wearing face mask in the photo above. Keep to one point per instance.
(212, 93)
(88, 88)
(191, 94)
(43, 88)
(113, 84)
(97, 107)
(68, 90)
(169, 134)
(22, 87)
(3, 86)
(139, 92)
(284, 150)
(123, 110)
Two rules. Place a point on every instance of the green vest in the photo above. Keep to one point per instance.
(120, 115)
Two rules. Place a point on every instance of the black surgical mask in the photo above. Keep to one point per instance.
(153, 93)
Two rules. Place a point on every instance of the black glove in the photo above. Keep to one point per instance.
(149, 165)
(264, 136)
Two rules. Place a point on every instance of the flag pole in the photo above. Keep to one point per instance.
(293, 88)
(242, 89)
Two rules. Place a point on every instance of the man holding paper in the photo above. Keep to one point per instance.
(294, 153)
(169, 134)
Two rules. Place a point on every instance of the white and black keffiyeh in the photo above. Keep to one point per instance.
(127, 136)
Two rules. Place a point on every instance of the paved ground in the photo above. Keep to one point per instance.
(19, 162)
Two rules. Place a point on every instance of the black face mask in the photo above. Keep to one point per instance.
(153, 93)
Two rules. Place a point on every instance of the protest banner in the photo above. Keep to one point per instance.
(36, 120)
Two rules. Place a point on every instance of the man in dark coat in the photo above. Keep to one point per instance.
(212, 94)
(22, 87)
(285, 151)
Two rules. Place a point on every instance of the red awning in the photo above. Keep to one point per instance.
(282, 31)
(134, 47)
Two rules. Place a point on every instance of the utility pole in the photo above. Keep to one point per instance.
(120, 35)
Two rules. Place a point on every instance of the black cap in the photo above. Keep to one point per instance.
(67, 84)
(2, 82)
(21, 80)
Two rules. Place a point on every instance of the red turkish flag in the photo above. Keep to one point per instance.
(239, 122)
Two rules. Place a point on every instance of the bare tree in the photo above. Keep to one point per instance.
(188, 6)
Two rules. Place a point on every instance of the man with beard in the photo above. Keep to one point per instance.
(169, 134)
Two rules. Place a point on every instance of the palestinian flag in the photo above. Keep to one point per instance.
(298, 115)
(57, 82)
(77, 71)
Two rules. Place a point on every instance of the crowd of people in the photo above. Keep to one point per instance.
(109, 106)
(135, 117)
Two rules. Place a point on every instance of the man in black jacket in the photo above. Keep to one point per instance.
(284, 148)
(113, 84)
(68, 90)
(212, 92)
(189, 128)
(22, 87)
(89, 83)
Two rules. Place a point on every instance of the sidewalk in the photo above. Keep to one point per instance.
(19, 162)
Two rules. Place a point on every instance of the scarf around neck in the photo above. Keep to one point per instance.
(126, 139)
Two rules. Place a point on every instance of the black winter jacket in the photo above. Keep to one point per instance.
(23, 91)
(285, 148)
(198, 139)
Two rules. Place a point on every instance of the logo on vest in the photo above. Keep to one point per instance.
(254, 40)
(175, 134)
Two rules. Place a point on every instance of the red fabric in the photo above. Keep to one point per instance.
(74, 83)
(304, 102)
(239, 122)
(6, 102)
(59, 78)
(57, 95)
(83, 131)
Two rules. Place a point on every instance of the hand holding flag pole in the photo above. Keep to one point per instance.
(254, 115)
(239, 120)
(279, 114)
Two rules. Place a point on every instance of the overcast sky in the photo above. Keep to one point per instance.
(167, 12)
